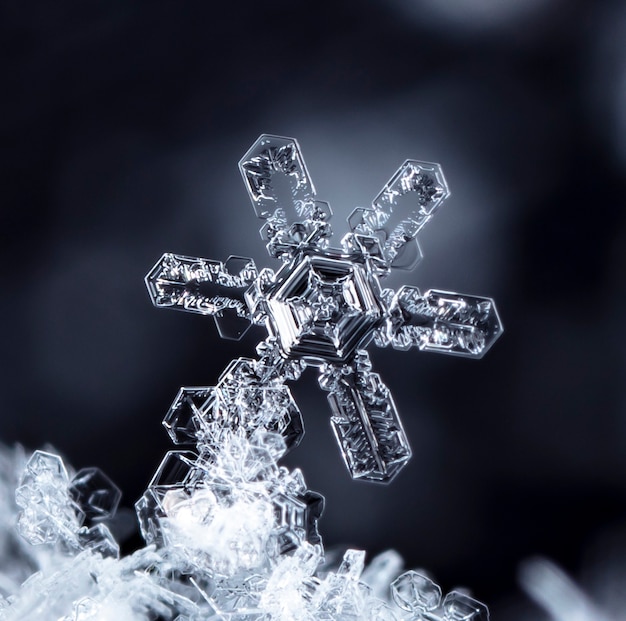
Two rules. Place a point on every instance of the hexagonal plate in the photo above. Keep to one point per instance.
(276, 177)
(323, 308)
(406, 203)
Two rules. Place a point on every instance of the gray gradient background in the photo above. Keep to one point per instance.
(122, 123)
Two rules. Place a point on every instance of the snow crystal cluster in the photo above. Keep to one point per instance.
(231, 534)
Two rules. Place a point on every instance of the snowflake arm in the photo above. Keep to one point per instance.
(365, 420)
(205, 287)
(440, 321)
(282, 194)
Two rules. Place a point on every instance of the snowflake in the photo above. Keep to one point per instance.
(324, 306)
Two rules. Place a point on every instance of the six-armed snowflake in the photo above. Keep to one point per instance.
(321, 309)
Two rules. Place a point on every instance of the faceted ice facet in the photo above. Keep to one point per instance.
(322, 308)
(460, 607)
(415, 593)
(95, 493)
(149, 509)
(176, 469)
(352, 564)
(183, 419)
(296, 514)
(425, 184)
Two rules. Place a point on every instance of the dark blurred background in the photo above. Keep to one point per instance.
(122, 123)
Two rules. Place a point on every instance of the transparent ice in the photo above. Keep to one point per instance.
(323, 306)
(231, 534)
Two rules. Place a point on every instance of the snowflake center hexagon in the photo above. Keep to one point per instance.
(322, 309)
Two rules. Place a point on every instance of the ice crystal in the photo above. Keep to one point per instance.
(325, 305)
(233, 539)
(231, 534)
